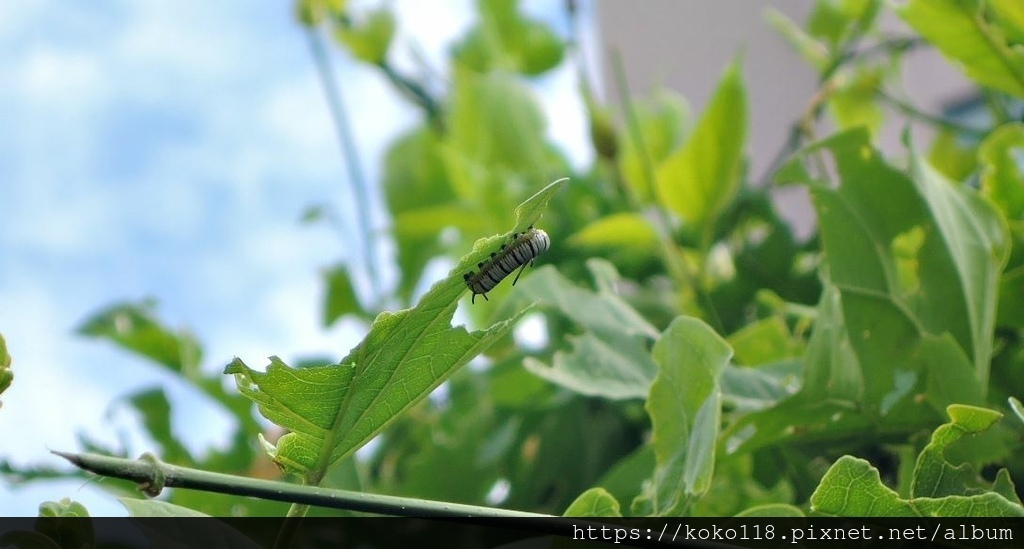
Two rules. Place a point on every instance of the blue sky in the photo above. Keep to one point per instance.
(167, 149)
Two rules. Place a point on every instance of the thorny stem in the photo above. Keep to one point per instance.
(155, 475)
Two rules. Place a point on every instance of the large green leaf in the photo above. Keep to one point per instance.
(330, 411)
(700, 179)
(905, 324)
(959, 30)
(913, 259)
(685, 409)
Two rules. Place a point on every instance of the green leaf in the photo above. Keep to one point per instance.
(532, 208)
(134, 328)
(153, 508)
(494, 124)
(836, 20)
(370, 39)
(341, 297)
(1003, 485)
(775, 510)
(170, 533)
(663, 119)
(1010, 13)
(67, 508)
(894, 288)
(853, 488)
(954, 156)
(1017, 407)
(626, 230)
(757, 388)
(615, 367)
(331, 411)
(1002, 176)
(415, 179)
(854, 102)
(601, 312)
(155, 409)
(764, 341)
(685, 410)
(6, 375)
(625, 479)
(610, 359)
(810, 49)
(540, 49)
(311, 13)
(28, 540)
(699, 180)
(958, 29)
(934, 476)
(505, 40)
(596, 502)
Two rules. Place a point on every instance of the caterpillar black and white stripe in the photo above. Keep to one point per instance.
(524, 248)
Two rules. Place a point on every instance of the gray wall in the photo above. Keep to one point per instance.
(685, 44)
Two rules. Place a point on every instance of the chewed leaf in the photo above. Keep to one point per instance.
(331, 411)
(852, 487)
(934, 476)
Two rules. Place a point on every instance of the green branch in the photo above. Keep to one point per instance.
(154, 475)
(346, 140)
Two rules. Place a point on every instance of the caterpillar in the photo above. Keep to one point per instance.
(524, 248)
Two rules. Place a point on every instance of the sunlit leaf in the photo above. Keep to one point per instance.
(698, 181)
(596, 502)
(685, 410)
(331, 411)
(663, 121)
(369, 38)
(958, 29)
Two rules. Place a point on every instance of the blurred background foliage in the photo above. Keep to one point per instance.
(906, 298)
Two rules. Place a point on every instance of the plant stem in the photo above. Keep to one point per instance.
(358, 185)
(935, 120)
(157, 475)
(672, 256)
